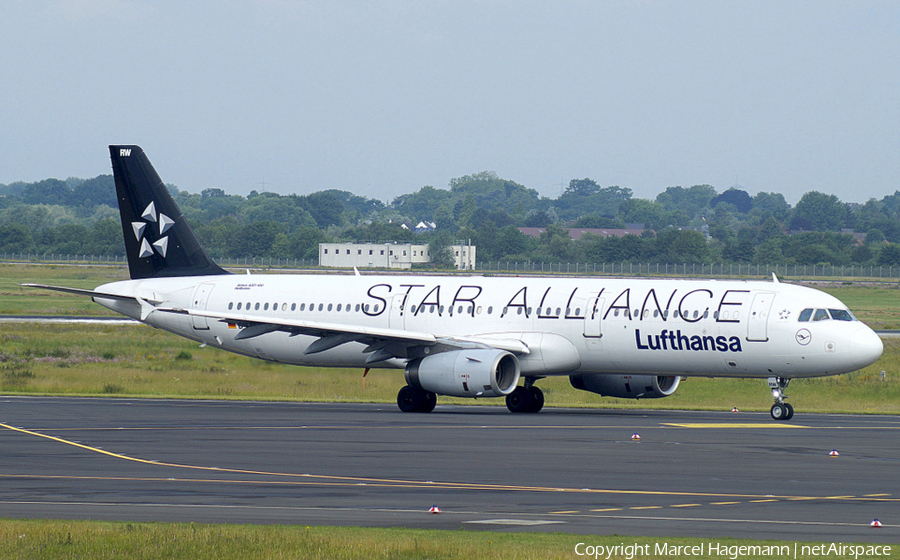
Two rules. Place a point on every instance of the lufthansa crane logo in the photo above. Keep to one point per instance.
(140, 228)
(803, 337)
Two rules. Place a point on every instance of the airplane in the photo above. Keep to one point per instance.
(471, 336)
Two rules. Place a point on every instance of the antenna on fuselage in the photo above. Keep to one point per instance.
(774, 278)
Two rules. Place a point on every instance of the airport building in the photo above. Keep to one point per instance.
(388, 255)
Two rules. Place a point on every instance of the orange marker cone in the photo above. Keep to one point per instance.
(875, 523)
(834, 453)
(635, 437)
(434, 509)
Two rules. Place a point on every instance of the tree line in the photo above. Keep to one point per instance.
(693, 224)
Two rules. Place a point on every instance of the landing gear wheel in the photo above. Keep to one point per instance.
(780, 411)
(537, 400)
(520, 400)
(429, 402)
(790, 411)
(411, 399)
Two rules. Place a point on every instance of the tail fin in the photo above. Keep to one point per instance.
(158, 240)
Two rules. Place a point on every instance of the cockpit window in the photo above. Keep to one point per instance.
(841, 315)
(825, 315)
(821, 315)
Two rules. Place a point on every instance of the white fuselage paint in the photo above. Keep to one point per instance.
(626, 326)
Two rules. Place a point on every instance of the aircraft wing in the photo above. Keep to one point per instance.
(383, 343)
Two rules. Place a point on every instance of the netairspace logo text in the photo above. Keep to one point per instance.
(733, 551)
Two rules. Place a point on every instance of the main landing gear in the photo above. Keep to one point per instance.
(780, 410)
(412, 399)
(526, 399)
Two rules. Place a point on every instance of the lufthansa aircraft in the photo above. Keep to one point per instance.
(472, 336)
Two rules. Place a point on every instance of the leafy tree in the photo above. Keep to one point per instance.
(597, 221)
(582, 187)
(439, 250)
(326, 208)
(889, 255)
(689, 201)
(736, 197)
(16, 238)
(48, 191)
(94, 192)
(819, 212)
(578, 201)
(510, 241)
(424, 203)
(256, 239)
(770, 205)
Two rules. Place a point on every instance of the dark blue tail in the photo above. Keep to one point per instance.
(158, 241)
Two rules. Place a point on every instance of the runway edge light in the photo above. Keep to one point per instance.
(434, 509)
(875, 523)
(834, 453)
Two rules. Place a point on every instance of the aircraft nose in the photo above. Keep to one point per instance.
(865, 347)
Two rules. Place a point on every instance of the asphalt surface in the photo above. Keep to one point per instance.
(578, 471)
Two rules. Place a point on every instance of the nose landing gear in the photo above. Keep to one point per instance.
(780, 410)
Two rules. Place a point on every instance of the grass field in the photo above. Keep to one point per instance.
(98, 540)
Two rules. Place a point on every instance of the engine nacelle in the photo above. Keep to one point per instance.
(479, 372)
(627, 386)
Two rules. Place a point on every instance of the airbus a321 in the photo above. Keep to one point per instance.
(476, 337)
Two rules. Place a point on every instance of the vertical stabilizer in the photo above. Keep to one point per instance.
(158, 241)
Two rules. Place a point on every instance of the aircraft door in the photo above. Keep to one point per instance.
(757, 323)
(201, 297)
(397, 311)
(592, 316)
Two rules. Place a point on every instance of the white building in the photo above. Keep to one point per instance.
(388, 255)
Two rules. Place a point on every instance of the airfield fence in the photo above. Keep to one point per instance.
(726, 270)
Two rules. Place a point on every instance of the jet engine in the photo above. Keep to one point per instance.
(479, 372)
(627, 386)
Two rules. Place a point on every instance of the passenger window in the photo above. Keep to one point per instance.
(321, 306)
(230, 304)
(329, 307)
(821, 315)
(805, 315)
(256, 307)
(293, 307)
(239, 306)
(339, 307)
(490, 309)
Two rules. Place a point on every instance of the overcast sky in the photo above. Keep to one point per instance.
(382, 97)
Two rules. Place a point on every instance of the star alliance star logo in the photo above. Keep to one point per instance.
(151, 217)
